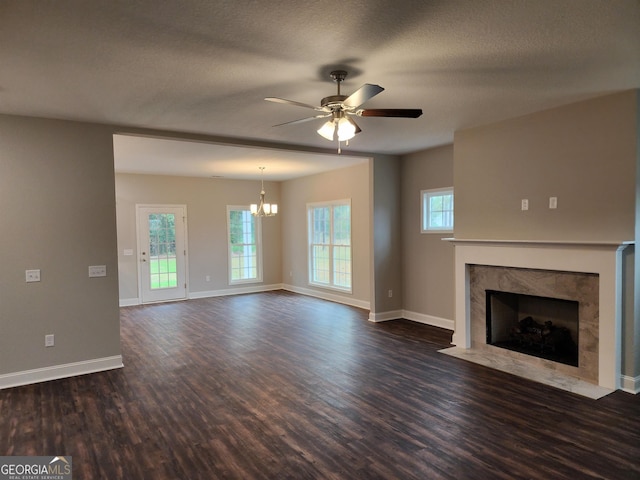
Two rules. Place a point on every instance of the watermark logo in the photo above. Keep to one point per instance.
(36, 468)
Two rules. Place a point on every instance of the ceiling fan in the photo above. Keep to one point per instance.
(340, 110)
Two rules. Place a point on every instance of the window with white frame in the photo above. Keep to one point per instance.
(245, 258)
(437, 210)
(329, 226)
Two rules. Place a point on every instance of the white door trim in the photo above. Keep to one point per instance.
(140, 248)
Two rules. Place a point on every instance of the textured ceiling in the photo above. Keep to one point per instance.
(204, 66)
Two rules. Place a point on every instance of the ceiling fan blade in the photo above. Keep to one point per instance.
(292, 102)
(302, 120)
(364, 93)
(390, 112)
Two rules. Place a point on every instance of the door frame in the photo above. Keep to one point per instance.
(161, 206)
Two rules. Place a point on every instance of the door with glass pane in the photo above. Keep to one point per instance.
(162, 253)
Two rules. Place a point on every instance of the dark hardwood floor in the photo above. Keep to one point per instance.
(277, 385)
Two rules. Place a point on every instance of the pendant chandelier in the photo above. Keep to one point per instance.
(263, 209)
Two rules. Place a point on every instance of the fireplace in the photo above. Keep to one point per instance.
(588, 273)
(544, 327)
(542, 295)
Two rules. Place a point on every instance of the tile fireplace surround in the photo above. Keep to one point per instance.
(588, 272)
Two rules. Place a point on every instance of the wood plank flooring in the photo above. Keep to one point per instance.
(281, 386)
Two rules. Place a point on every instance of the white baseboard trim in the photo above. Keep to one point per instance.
(385, 316)
(630, 384)
(55, 372)
(235, 291)
(414, 317)
(327, 296)
(429, 320)
(129, 302)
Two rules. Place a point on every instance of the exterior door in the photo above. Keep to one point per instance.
(162, 253)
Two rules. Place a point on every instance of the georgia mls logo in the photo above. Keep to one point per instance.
(35, 468)
(63, 465)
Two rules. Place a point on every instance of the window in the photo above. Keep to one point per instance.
(437, 210)
(163, 271)
(330, 244)
(245, 262)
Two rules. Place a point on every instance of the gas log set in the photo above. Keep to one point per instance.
(545, 338)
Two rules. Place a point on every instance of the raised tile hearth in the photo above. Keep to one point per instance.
(523, 369)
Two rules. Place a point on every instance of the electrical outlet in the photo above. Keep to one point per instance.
(49, 340)
(207, 278)
(390, 293)
(525, 204)
(553, 202)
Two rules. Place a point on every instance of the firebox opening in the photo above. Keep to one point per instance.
(539, 326)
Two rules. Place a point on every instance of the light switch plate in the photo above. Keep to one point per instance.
(32, 275)
(97, 271)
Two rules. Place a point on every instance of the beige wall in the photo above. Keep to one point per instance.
(346, 183)
(56, 189)
(206, 200)
(57, 186)
(386, 238)
(427, 260)
(587, 155)
(584, 154)
(631, 367)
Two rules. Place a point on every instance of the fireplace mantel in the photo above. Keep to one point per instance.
(540, 243)
(601, 258)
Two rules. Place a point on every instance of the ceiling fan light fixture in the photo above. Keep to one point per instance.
(346, 130)
(341, 109)
(328, 130)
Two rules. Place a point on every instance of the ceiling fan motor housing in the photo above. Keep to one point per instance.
(333, 101)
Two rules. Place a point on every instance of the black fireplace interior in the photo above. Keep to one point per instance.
(539, 326)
